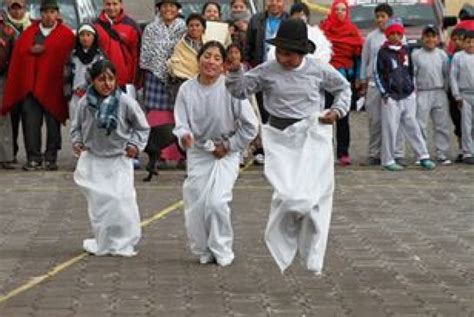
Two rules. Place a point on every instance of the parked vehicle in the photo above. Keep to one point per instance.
(73, 12)
(416, 14)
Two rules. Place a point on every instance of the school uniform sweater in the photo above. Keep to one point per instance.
(462, 74)
(293, 94)
(211, 113)
(132, 128)
(431, 69)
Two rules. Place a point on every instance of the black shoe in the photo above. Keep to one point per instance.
(51, 166)
(459, 159)
(469, 160)
(374, 161)
(7, 166)
(32, 166)
(401, 161)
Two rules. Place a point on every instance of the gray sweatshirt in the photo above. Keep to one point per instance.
(132, 128)
(210, 113)
(293, 94)
(431, 69)
(462, 74)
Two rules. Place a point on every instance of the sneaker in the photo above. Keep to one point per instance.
(259, 159)
(427, 164)
(393, 167)
(373, 161)
(444, 162)
(417, 163)
(32, 166)
(51, 166)
(401, 161)
(345, 160)
(468, 160)
(459, 159)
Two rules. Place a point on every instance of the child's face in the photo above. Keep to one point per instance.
(238, 6)
(86, 39)
(113, 8)
(469, 45)
(195, 29)
(430, 41)
(380, 19)
(394, 38)
(212, 13)
(458, 42)
(234, 54)
(288, 59)
(211, 63)
(105, 83)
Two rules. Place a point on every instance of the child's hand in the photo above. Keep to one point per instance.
(329, 117)
(220, 151)
(37, 49)
(187, 141)
(78, 148)
(131, 151)
(80, 92)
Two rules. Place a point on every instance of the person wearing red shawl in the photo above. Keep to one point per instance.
(347, 46)
(119, 39)
(466, 17)
(36, 81)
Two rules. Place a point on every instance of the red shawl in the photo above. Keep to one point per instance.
(344, 36)
(466, 25)
(40, 75)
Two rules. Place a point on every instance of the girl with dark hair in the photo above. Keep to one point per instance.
(211, 11)
(84, 55)
(213, 128)
(108, 131)
(216, 29)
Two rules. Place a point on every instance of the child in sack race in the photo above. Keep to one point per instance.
(108, 131)
(214, 128)
(297, 139)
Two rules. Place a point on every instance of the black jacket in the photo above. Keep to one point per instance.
(394, 73)
(255, 49)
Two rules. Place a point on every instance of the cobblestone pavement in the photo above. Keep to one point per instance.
(400, 245)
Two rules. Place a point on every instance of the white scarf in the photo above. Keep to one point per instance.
(21, 23)
(47, 31)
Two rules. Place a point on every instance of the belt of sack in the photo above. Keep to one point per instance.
(281, 123)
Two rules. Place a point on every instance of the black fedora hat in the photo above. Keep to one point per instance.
(158, 3)
(293, 36)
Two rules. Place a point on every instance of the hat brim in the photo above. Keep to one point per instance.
(294, 46)
(49, 6)
(158, 5)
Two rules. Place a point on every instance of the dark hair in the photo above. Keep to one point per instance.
(466, 12)
(234, 1)
(210, 44)
(233, 45)
(300, 7)
(100, 67)
(204, 7)
(469, 35)
(458, 33)
(196, 16)
(384, 7)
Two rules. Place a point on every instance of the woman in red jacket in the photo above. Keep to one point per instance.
(347, 46)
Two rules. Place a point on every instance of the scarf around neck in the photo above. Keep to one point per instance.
(104, 109)
(21, 24)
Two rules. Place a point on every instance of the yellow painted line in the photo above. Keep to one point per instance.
(63, 266)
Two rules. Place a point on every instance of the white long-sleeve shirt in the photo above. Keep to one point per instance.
(431, 69)
(296, 93)
(211, 113)
(462, 74)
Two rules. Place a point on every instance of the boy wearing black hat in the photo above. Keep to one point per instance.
(462, 87)
(297, 139)
(431, 71)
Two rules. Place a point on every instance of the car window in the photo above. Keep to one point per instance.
(412, 15)
(67, 11)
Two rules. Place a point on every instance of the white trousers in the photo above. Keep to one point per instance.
(396, 115)
(467, 125)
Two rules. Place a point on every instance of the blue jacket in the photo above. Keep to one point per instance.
(394, 73)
